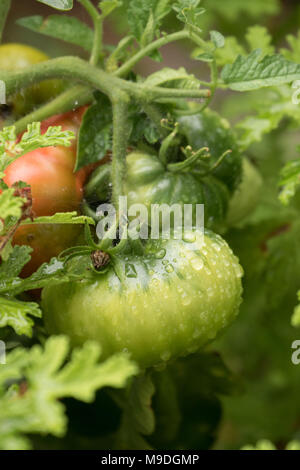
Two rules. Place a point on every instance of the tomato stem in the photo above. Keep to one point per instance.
(121, 132)
(98, 30)
(73, 98)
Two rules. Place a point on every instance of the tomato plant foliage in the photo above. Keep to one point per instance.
(132, 328)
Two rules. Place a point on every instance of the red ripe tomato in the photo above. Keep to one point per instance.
(49, 172)
(54, 187)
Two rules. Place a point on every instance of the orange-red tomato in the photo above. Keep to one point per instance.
(49, 172)
(54, 187)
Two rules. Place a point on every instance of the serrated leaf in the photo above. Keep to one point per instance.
(71, 218)
(289, 181)
(255, 127)
(108, 6)
(139, 16)
(217, 39)
(204, 57)
(149, 31)
(19, 256)
(189, 11)
(168, 77)
(95, 136)
(66, 28)
(63, 5)
(293, 53)
(10, 205)
(230, 51)
(31, 140)
(258, 37)
(252, 72)
(138, 418)
(15, 314)
(48, 379)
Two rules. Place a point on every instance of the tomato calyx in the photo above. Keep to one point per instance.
(100, 259)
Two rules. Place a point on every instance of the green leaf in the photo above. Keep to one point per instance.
(138, 16)
(67, 28)
(48, 379)
(10, 205)
(58, 4)
(204, 57)
(138, 418)
(230, 51)
(255, 127)
(289, 181)
(263, 444)
(15, 313)
(168, 77)
(258, 37)
(71, 218)
(231, 10)
(108, 6)
(31, 140)
(252, 72)
(293, 53)
(95, 136)
(54, 272)
(11, 268)
(217, 39)
(145, 18)
(189, 11)
(296, 314)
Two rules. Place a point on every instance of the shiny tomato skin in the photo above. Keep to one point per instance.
(49, 172)
(166, 303)
(55, 188)
(46, 240)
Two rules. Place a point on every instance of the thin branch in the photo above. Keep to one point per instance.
(127, 66)
(78, 95)
(98, 30)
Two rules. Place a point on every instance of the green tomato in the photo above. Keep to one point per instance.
(167, 303)
(246, 196)
(150, 182)
(19, 56)
(208, 129)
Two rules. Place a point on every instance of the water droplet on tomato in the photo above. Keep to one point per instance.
(169, 268)
(130, 270)
(197, 263)
(160, 254)
(185, 299)
(189, 237)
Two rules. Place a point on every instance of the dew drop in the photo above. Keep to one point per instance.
(130, 271)
(189, 237)
(160, 254)
(197, 264)
(169, 268)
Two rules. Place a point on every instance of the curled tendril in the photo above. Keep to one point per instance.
(192, 158)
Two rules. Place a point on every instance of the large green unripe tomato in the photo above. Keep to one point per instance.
(19, 56)
(210, 130)
(150, 182)
(167, 303)
(246, 196)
